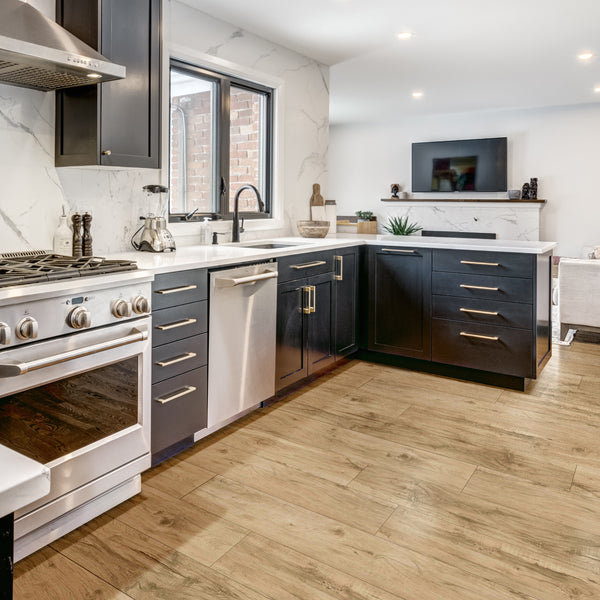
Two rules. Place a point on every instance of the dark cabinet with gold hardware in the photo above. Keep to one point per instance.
(305, 317)
(399, 310)
(346, 280)
(115, 123)
(179, 360)
(6, 555)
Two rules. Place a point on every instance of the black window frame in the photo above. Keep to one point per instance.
(221, 124)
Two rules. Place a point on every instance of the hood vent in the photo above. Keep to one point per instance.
(37, 53)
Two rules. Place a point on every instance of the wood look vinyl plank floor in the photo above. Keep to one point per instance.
(369, 483)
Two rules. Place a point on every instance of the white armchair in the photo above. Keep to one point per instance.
(578, 294)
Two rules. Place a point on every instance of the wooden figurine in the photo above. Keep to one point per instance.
(317, 204)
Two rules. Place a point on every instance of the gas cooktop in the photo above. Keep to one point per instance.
(19, 268)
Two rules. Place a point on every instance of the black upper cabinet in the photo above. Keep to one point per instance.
(400, 301)
(116, 123)
(346, 296)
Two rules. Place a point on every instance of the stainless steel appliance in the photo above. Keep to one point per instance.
(36, 52)
(241, 340)
(154, 237)
(74, 384)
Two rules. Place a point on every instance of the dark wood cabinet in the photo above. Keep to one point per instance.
(6, 556)
(399, 312)
(115, 123)
(305, 322)
(346, 280)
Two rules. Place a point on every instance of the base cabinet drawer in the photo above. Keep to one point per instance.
(179, 357)
(179, 408)
(181, 287)
(501, 264)
(304, 265)
(490, 312)
(485, 347)
(487, 287)
(171, 324)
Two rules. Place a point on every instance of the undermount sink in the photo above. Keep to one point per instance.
(267, 245)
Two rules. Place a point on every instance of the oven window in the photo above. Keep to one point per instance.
(50, 421)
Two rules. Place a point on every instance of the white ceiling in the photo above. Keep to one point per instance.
(465, 54)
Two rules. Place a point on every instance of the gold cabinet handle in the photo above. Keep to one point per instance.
(306, 305)
(398, 250)
(313, 306)
(315, 263)
(478, 287)
(482, 264)
(184, 391)
(340, 275)
(176, 324)
(177, 359)
(106, 152)
(479, 312)
(184, 288)
(493, 338)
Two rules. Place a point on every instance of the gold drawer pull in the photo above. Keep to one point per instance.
(315, 263)
(397, 250)
(482, 264)
(479, 312)
(340, 275)
(493, 338)
(478, 287)
(184, 391)
(184, 288)
(177, 359)
(176, 324)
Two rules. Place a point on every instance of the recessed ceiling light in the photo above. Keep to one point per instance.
(585, 56)
(405, 35)
(417, 94)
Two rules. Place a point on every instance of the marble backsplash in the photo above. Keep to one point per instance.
(34, 191)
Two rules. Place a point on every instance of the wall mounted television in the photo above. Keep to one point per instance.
(459, 166)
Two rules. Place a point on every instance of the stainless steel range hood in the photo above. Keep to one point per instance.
(37, 53)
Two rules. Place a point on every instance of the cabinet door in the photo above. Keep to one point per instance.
(130, 106)
(346, 301)
(321, 319)
(400, 301)
(291, 364)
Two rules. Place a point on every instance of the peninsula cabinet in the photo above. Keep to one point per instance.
(116, 123)
(399, 311)
(305, 316)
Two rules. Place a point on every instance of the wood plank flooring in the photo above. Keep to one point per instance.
(370, 483)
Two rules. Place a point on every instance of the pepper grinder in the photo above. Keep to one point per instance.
(77, 241)
(87, 236)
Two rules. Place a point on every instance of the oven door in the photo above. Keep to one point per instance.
(77, 404)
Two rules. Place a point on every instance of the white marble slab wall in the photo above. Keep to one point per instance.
(508, 221)
(33, 191)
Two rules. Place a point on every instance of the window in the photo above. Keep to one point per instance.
(221, 138)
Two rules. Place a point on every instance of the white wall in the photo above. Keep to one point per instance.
(560, 146)
(33, 190)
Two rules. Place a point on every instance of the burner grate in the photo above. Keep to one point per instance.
(33, 267)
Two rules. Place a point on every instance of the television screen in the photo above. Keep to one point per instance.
(459, 166)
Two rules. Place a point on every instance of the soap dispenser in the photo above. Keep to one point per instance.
(205, 232)
(63, 237)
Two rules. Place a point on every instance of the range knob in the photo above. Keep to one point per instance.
(79, 318)
(121, 308)
(140, 305)
(27, 328)
(4, 334)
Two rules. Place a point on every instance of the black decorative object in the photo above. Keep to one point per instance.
(525, 192)
(396, 187)
(533, 188)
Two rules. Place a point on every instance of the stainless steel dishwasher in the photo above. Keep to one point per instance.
(241, 340)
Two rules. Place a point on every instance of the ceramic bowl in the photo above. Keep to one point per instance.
(313, 229)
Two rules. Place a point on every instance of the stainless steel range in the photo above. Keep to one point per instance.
(74, 383)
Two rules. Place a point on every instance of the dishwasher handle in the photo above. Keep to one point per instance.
(225, 282)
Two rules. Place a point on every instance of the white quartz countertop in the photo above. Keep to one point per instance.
(189, 257)
(22, 481)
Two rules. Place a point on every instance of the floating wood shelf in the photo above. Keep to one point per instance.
(489, 200)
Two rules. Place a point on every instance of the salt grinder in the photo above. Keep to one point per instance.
(77, 241)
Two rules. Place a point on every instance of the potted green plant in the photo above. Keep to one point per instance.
(364, 215)
(401, 226)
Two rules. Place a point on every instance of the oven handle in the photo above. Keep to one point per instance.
(20, 368)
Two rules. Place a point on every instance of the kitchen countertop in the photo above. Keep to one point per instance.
(191, 257)
(22, 481)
